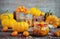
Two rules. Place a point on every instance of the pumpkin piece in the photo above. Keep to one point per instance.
(5, 29)
(57, 33)
(25, 33)
(15, 33)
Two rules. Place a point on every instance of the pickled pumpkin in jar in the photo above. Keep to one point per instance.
(41, 29)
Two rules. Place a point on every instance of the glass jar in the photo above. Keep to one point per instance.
(19, 16)
(40, 29)
(37, 19)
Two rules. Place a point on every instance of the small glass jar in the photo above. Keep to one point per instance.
(40, 29)
(19, 16)
(37, 19)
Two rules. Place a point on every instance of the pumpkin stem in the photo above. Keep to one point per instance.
(7, 11)
(7, 15)
(50, 12)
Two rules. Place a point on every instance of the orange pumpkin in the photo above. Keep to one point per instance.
(5, 29)
(52, 19)
(57, 33)
(14, 33)
(25, 33)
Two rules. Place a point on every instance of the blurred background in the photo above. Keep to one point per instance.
(44, 5)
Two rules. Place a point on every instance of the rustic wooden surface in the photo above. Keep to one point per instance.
(6, 35)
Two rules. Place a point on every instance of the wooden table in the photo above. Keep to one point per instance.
(6, 35)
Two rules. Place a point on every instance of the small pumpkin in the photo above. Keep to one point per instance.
(8, 23)
(47, 14)
(33, 11)
(25, 33)
(52, 19)
(57, 33)
(4, 15)
(36, 12)
(14, 33)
